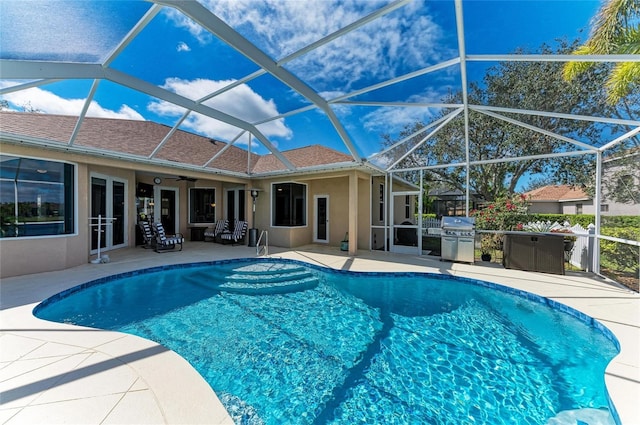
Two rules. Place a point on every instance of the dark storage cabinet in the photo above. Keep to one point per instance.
(535, 252)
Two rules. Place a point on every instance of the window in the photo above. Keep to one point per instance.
(578, 208)
(289, 202)
(381, 212)
(36, 197)
(604, 207)
(407, 207)
(202, 205)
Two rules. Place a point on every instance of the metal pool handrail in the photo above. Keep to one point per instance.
(266, 243)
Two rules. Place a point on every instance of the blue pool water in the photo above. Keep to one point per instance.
(284, 342)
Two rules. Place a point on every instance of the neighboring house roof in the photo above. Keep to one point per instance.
(557, 193)
(141, 138)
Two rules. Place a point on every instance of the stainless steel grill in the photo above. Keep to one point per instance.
(458, 239)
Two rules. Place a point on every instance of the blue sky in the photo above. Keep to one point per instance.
(177, 54)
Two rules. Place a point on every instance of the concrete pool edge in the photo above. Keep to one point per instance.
(615, 308)
(156, 370)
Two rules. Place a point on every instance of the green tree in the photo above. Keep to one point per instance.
(616, 30)
(520, 85)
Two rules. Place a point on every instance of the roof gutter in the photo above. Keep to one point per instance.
(338, 166)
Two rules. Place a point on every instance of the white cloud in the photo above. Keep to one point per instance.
(183, 47)
(393, 119)
(407, 38)
(50, 103)
(240, 102)
(194, 29)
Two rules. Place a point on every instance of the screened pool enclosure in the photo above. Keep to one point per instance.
(465, 96)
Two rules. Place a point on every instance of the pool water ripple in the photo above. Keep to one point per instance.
(371, 348)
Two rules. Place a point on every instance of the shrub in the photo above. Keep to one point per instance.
(621, 221)
(623, 256)
(502, 214)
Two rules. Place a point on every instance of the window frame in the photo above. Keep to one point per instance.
(381, 211)
(273, 200)
(407, 207)
(215, 211)
(70, 188)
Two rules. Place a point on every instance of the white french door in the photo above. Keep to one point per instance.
(109, 200)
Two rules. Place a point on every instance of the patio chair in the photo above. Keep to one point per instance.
(147, 234)
(166, 242)
(238, 232)
(220, 227)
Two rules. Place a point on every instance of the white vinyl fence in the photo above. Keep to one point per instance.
(431, 226)
(581, 255)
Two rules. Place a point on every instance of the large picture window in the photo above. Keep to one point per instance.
(202, 205)
(36, 197)
(289, 204)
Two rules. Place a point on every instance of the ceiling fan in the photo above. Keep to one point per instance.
(185, 178)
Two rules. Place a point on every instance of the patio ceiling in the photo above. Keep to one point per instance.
(237, 60)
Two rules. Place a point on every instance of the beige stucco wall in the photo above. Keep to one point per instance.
(60, 252)
(333, 185)
(39, 254)
(364, 215)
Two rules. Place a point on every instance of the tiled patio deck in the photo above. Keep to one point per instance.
(54, 373)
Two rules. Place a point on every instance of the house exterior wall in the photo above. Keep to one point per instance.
(612, 186)
(378, 190)
(60, 252)
(542, 207)
(617, 208)
(572, 207)
(364, 215)
(20, 256)
(64, 251)
(336, 187)
(281, 236)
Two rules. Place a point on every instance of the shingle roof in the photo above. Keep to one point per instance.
(308, 156)
(560, 193)
(142, 137)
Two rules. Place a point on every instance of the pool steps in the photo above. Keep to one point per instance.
(258, 279)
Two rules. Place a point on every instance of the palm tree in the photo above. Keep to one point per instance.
(616, 30)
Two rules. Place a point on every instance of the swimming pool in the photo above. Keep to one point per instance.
(286, 342)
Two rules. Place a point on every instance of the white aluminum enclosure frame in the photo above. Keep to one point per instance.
(39, 73)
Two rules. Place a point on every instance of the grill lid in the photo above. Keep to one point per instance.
(466, 223)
